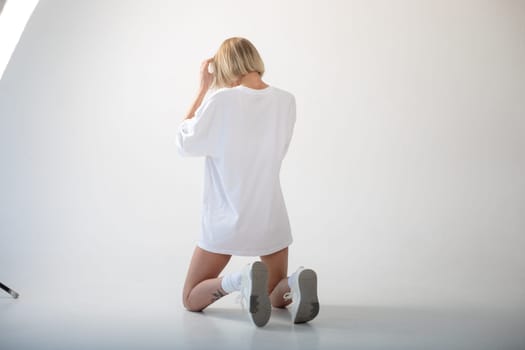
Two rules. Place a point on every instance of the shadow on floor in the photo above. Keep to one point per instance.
(375, 327)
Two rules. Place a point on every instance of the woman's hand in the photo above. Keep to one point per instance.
(206, 77)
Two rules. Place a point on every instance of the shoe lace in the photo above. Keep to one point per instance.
(287, 296)
(239, 299)
(242, 298)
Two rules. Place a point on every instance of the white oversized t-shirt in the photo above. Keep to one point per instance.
(244, 134)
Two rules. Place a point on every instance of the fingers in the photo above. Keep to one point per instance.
(207, 66)
(206, 75)
(206, 62)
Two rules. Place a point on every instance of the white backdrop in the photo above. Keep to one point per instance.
(404, 181)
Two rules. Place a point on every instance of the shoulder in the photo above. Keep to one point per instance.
(216, 99)
(229, 94)
(284, 94)
(221, 94)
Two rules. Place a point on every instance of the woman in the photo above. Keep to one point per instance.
(243, 128)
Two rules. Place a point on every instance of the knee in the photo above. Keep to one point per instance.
(192, 309)
(188, 305)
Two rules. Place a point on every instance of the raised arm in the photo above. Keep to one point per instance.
(205, 81)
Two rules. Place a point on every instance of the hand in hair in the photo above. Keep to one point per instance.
(206, 76)
(206, 80)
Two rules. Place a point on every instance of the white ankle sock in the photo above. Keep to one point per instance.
(232, 282)
(293, 276)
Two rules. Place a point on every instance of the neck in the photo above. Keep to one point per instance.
(253, 80)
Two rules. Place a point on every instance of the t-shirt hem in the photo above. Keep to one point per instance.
(263, 252)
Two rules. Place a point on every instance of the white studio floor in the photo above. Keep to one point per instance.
(133, 318)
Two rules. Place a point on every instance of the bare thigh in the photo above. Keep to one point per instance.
(204, 265)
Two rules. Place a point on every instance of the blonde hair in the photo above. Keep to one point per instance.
(236, 57)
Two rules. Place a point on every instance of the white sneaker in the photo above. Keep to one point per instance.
(303, 292)
(254, 291)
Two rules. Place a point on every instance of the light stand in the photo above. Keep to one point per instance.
(9, 290)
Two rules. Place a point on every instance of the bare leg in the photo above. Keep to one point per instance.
(203, 286)
(277, 264)
(278, 292)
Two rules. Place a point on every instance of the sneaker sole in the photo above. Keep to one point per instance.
(308, 303)
(260, 306)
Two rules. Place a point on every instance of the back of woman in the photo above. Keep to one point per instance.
(244, 209)
(243, 129)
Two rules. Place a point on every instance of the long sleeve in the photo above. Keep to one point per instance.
(197, 136)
